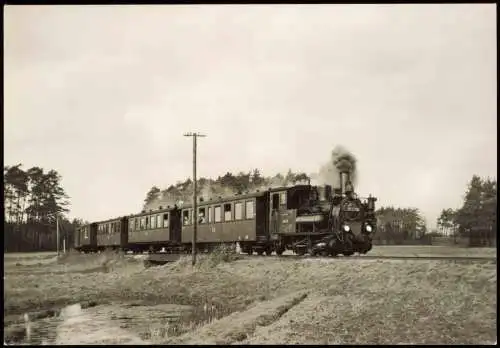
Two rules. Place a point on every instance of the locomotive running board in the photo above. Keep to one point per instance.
(304, 234)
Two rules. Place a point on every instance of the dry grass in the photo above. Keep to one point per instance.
(252, 300)
(430, 250)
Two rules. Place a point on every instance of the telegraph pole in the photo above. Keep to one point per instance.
(195, 204)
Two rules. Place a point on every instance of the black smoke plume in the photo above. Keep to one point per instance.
(341, 160)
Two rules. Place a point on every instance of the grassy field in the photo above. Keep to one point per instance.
(430, 250)
(254, 300)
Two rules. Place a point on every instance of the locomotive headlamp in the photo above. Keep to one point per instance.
(346, 228)
(368, 228)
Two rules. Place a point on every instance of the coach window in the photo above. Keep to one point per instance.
(186, 217)
(153, 221)
(227, 212)
(238, 211)
(165, 220)
(202, 218)
(112, 227)
(159, 221)
(210, 217)
(143, 222)
(85, 233)
(136, 224)
(217, 211)
(250, 210)
(131, 225)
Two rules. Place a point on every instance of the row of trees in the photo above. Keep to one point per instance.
(33, 195)
(476, 219)
(227, 184)
(32, 200)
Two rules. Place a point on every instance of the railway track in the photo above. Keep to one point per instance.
(163, 258)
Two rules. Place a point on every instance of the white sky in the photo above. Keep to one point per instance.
(103, 94)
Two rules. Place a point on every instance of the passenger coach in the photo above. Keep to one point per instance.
(112, 234)
(154, 230)
(86, 238)
(225, 220)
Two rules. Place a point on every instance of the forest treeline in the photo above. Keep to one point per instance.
(476, 219)
(32, 200)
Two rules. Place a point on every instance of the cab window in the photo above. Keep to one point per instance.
(165, 220)
(283, 198)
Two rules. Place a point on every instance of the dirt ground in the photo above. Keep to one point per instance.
(250, 301)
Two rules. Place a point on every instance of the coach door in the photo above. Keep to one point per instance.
(277, 203)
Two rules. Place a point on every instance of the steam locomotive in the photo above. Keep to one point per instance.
(302, 218)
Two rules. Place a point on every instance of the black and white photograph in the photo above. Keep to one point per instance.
(250, 174)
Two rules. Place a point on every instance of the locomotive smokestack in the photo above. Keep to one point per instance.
(344, 179)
